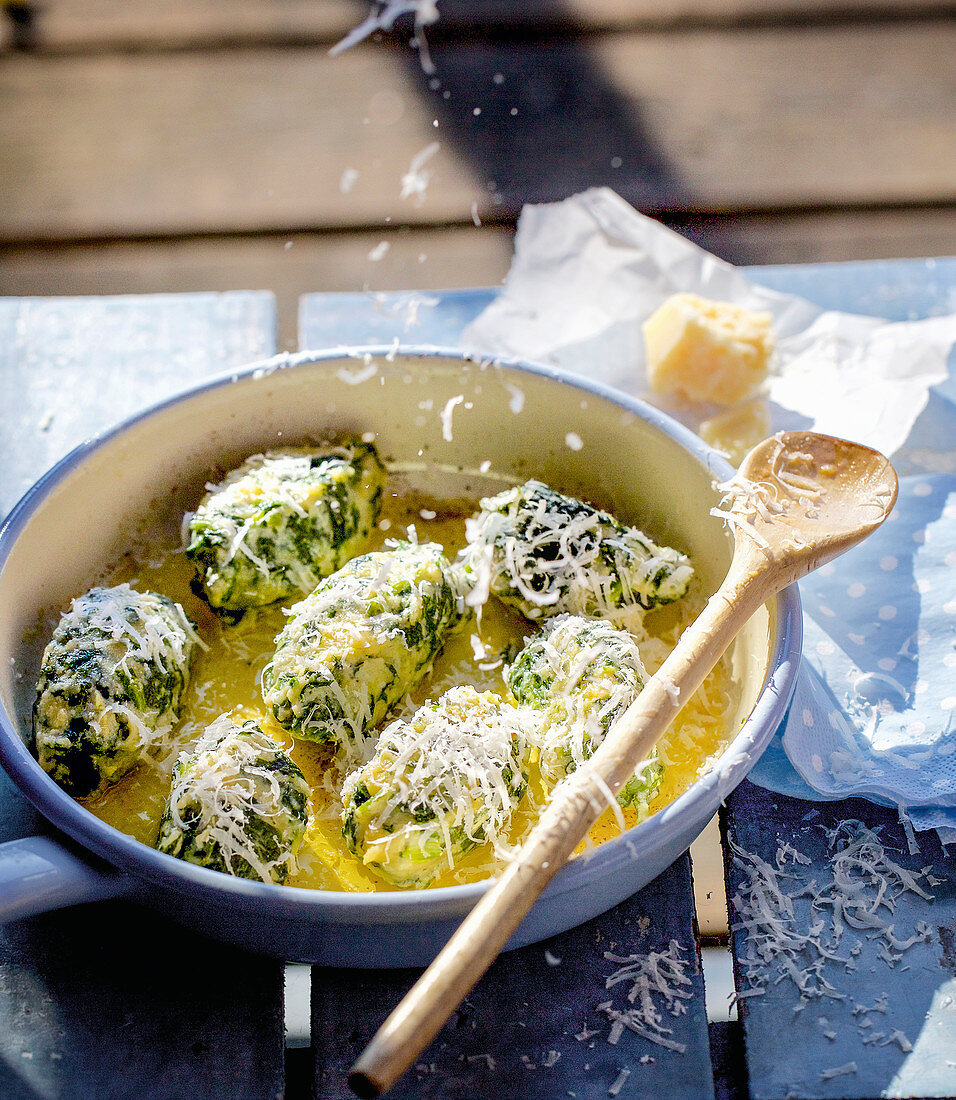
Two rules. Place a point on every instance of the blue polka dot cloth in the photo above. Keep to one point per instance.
(874, 712)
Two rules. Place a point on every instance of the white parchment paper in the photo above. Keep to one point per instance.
(589, 270)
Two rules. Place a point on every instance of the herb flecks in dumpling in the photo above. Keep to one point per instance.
(110, 685)
(281, 522)
(440, 783)
(578, 676)
(546, 554)
(360, 642)
(238, 804)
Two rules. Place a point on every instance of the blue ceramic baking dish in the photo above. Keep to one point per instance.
(446, 419)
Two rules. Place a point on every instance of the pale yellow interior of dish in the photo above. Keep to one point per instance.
(456, 430)
(225, 678)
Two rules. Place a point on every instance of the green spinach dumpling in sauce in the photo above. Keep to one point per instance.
(110, 685)
(281, 522)
(360, 642)
(577, 677)
(440, 783)
(545, 554)
(238, 804)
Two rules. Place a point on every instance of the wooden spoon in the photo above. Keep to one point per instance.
(799, 500)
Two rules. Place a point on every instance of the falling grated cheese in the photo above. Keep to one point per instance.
(446, 416)
(516, 402)
(382, 17)
(415, 181)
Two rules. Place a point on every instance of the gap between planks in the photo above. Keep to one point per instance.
(295, 264)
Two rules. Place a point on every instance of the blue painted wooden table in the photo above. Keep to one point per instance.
(111, 999)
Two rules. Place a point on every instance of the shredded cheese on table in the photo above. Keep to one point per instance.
(810, 932)
(658, 984)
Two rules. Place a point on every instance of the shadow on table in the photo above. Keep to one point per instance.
(874, 1022)
(530, 109)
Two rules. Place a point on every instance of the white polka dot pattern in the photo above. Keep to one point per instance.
(875, 709)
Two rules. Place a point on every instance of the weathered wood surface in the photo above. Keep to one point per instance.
(532, 1027)
(110, 1000)
(70, 367)
(289, 265)
(177, 24)
(876, 1017)
(299, 263)
(256, 140)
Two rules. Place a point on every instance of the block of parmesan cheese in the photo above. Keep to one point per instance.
(707, 351)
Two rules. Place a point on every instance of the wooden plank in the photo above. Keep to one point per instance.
(289, 265)
(110, 1000)
(825, 236)
(696, 122)
(64, 25)
(296, 264)
(878, 1018)
(531, 1028)
(59, 357)
(177, 24)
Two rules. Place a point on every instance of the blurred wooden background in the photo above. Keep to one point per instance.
(215, 144)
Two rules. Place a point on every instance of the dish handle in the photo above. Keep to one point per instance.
(38, 874)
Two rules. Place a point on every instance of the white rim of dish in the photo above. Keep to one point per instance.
(131, 856)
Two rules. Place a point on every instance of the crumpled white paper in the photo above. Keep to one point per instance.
(875, 708)
(587, 271)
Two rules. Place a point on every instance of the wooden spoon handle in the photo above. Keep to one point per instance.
(474, 946)
(575, 806)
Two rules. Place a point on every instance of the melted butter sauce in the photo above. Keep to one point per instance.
(226, 676)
